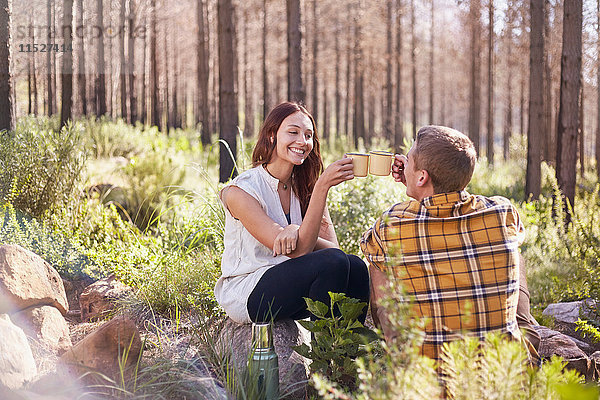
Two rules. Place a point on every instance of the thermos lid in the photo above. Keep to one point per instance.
(262, 336)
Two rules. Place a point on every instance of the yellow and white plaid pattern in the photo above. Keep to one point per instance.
(457, 256)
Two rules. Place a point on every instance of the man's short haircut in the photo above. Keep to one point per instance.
(448, 156)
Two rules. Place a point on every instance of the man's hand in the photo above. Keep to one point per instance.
(400, 162)
(286, 240)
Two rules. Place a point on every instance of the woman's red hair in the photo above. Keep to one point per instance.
(304, 176)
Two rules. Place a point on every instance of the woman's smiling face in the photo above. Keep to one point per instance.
(294, 139)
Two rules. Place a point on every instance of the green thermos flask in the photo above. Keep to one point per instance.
(263, 365)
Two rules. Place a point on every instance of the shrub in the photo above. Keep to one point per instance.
(40, 165)
(67, 257)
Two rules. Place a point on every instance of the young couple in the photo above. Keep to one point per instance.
(459, 252)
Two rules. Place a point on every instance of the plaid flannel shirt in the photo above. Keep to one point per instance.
(457, 256)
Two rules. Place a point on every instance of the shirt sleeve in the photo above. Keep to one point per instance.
(373, 247)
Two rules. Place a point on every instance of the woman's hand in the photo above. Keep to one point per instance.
(337, 172)
(286, 240)
(400, 162)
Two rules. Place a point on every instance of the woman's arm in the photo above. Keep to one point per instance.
(247, 209)
(308, 233)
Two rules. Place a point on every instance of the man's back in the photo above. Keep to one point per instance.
(457, 255)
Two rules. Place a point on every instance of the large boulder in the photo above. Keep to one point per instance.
(27, 280)
(102, 350)
(556, 343)
(98, 299)
(17, 365)
(47, 326)
(293, 368)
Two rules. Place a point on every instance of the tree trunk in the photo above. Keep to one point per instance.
(475, 87)
(29, 86)
(49, 91)
(315, 65)
(294, 62)
(166, 112)
(144, 106)
(581, 130)
(265, 77)
(325, 110)
(81, 76)
(338, 95)
(598, 94)
(535, 130)
(228, 116)
(54, 64)
(548, 136)
(248, 109)
(67, 67)
(413, 57)
(432, 62)
(109, 85)
(100, 83)
(7, 116)
(348, 83)
(175, 85)
(359, 102)
(124, 70)
(370, 132)
(490, 110)
(389, 84)
(570, 75)
(508, 120)
(154, 110)
(133, 117)
(34, 82)
(203, 111)
(522, 108)
(399, 130)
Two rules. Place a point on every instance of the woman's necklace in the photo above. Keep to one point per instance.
(285, 184)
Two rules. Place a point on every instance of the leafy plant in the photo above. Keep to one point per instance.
(40, 165)
(66, 256)
(338, 338)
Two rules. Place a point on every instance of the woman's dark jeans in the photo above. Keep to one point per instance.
(280, 292)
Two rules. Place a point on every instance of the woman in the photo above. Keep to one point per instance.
(280, 245)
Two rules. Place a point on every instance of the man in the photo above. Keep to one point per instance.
(456, 253)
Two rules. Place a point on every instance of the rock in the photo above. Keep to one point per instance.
(556, 343)
(293, 368)
(17, 365)
(47, 326)
(565, 315)
(98, 299)
(26, 280)
(568, 312)
(100, 350)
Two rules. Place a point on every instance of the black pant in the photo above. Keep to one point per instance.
(280, 292)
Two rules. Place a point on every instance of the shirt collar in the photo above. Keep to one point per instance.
(270, 179)
(445, 198)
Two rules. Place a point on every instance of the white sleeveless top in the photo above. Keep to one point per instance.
(245, 259)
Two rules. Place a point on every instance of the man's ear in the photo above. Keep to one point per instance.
(423, 178)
